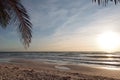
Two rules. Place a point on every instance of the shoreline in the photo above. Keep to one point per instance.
(62, 72)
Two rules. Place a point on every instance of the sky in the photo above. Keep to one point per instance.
(64, 25)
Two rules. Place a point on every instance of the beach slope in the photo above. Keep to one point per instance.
(30, 70)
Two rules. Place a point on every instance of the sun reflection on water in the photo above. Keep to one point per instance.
(111, 58)
(110, 55)
(111, 68)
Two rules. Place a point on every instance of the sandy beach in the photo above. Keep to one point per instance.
(31, 70)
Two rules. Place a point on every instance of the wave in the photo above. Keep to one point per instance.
(96, 58)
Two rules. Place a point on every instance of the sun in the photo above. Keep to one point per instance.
(108, 40)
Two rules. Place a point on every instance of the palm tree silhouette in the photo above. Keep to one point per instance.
(13, 11)
(106, 1)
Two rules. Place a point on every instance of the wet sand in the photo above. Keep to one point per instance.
(32, 70)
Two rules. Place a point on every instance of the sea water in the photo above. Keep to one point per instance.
(101, 59)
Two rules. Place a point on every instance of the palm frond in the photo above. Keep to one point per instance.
(106, 1)
(4, 14)
(25, 25)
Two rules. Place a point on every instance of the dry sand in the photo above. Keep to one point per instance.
(30, 70)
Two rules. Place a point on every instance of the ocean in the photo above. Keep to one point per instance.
(98, 59)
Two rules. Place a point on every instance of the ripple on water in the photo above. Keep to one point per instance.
(62, 68)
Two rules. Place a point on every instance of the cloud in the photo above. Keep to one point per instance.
(50, 14)
(68, 24)
(75, 25)
(95, 22)
(81, 30)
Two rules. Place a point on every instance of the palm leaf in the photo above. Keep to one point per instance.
(4, 14)
(106, 1)
(22, 17)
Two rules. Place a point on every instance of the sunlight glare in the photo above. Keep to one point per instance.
(108, 40)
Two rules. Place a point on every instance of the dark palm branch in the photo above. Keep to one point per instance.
(14, 11)
(106, 1)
